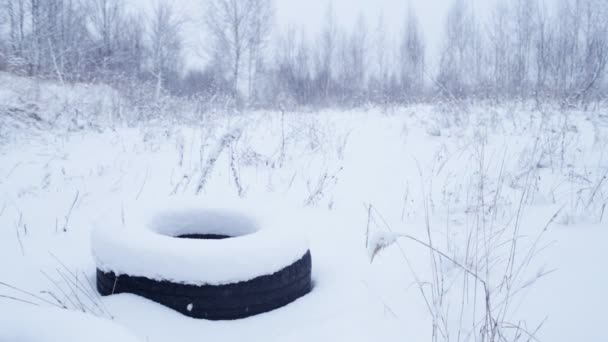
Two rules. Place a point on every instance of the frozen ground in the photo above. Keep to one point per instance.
(28, 323)
(507, 192)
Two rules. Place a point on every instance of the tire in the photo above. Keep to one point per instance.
(218, 302)
(204, 263)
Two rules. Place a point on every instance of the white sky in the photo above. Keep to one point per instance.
(310, 14)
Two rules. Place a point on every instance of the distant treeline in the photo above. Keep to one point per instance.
(522, 50)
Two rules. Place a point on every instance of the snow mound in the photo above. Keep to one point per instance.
(28, 323)
(147, 246)
(379, 241)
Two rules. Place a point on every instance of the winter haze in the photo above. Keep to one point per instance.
(273, 170)
(309, 15)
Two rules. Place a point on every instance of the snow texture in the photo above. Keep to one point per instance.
(28, 323)
(148, 247)
(54, 182)
(379, 241)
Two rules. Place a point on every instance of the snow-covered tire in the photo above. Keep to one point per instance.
(218, 302)
(204, 263)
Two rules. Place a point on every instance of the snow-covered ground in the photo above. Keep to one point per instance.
(507, 195)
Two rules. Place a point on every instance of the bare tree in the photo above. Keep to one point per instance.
(343, 89)
(358, 59)
(293, 62)
(594, 57)
(68, 42)
(326, 52)
(104, 22)
(524, 50)
(261, 26)
(412, 56)
(576, 60)
(460, 51)
(3, 39)
(236, 27)
(542, 47)
(499, 34)
(165, 44)
(349, 73)
(379, 82)
(15, 14)
(525, 31)
(132, 45)
(46, 37)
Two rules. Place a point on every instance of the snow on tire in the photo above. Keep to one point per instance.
(213, 264)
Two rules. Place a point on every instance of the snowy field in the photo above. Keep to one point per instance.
(507, 198)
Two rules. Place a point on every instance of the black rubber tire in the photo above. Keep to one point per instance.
(218, 302)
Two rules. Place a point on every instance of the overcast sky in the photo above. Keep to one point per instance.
(309, 14)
